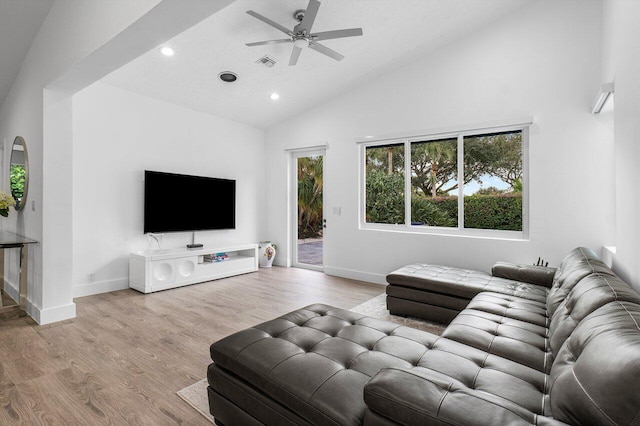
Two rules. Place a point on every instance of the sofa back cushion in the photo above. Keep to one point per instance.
(589, 294)
(579, 263)
(595, 379)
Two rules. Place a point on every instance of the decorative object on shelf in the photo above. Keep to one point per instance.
(267, 252)
(216, 257)
(155, 237)
(6, 201)
(541, 262)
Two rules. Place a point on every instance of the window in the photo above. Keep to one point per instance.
(493, 181)
(385, 184)
(472, 181)
(434, 183)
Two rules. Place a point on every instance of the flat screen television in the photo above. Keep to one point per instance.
(174, 203)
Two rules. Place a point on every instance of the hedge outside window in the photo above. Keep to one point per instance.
(385, 184)
(470, 181)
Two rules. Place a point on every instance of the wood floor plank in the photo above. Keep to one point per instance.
(126, 354)
(13, 407)
(48, 405)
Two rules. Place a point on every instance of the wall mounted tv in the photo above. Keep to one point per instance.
(174, 203)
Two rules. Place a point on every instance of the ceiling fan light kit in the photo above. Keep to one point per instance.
(301, 35)
(301, 42)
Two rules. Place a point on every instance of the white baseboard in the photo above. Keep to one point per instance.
(42, 316)
(11, 289)
(55, 314)
(281, 261)
(356, 275)
(100, 287)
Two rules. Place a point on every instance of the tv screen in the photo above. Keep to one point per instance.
(174, 203)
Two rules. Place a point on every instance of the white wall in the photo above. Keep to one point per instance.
(71, 31)
(542, 62)
(78, 43)
(621, 64)
(118, 135)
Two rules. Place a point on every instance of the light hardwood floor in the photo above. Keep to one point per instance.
(124, 357)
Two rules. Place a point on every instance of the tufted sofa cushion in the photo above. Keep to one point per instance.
(579, 263)
(589, 294)
(425, 397)
(463, 283)
(517, 308)
(316, 360)
(514, 339)
(595, 379)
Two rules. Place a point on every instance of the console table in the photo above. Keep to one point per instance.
(156, 270)
(10, 240)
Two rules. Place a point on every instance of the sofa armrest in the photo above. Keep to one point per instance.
(426, 397)
(532, 274)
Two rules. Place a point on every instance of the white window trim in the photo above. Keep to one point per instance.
(463, 131)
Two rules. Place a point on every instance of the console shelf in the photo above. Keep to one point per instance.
(156, 270)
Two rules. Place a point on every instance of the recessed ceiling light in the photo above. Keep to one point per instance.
(274, 96)
(167, 51)
(227, 76)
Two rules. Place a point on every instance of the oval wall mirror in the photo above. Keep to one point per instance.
(19, 172)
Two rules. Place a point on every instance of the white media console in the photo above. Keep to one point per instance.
(156, 270)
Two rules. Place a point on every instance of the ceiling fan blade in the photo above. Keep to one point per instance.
(328, 35)
(295, 54)
(270, 22)
(262, 43)
(325, 50)
(309, 17)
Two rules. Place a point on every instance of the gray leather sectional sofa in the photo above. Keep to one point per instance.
(517, 354)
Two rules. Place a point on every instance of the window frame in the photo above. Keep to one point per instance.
(460, 133)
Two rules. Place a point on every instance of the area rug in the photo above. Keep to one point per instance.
(196, 394)
(377, 308)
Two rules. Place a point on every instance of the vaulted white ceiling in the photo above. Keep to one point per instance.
(20, 21)
(395, 33)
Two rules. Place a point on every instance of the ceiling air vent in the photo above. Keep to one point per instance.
(267, 61)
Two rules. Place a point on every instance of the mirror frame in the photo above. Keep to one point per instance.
(20, 205)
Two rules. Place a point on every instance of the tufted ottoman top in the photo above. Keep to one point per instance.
(317, 360)
(460, 282)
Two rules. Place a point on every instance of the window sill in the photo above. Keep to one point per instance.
(485, 234)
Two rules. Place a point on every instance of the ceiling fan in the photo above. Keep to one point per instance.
(301, 35)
